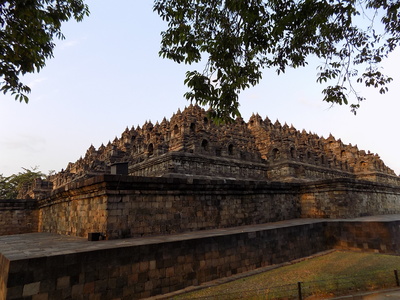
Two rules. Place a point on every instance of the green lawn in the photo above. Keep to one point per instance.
(327, 275)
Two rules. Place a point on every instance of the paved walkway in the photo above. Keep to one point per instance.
(25, 246)
(30, 245)
(377, 295)
(393, 294)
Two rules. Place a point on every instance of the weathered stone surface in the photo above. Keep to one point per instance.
(189, 145)
(195, 176)
(31, 289)
(18, 216)
(217, 176)
(124, 206)
(348, 198)
(144, 267)
(150, 268)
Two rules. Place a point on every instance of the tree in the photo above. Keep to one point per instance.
(27, 31)
(240, 38)
(4, 188)
(12, 185)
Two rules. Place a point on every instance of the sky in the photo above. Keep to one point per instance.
(107, 75)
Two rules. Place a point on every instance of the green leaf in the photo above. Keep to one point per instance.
(239, 39)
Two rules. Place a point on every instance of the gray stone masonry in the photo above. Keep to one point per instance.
(50, 266)
(18, 216)
(125, 206)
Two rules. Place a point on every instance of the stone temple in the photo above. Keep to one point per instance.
(191, 146)
(185, 201)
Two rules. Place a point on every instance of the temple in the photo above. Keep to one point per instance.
(183, 202)
(189, 145)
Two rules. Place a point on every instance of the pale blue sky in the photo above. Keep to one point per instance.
(107, 75)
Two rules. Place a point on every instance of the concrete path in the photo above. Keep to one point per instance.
(377, 295)
(32, 245)
(25, 246)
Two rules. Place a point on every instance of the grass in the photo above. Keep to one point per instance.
(336, 273)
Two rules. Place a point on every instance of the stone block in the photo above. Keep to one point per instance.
(152, 265)
(143, 266)
(148, 286)
(63, 282)
(42, 296)
(132, 279)
(17, 279)
(170, 272)
(139, 287)
(77, 290)
(31, 289)
(100, 285)
(15, 292)
(128, 292)
(88, 288)
(112, 283)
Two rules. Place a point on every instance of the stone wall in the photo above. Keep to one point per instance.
(299, 171)
(150, 268)
(18, 216)
(77, 209)
(122, 206)
(373, 236)
(348, 198)
(379, 177)
(144, 267)
(181, 164)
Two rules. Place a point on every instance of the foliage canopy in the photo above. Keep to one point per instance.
(10, 186)
(239, 39)
(27, 31)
